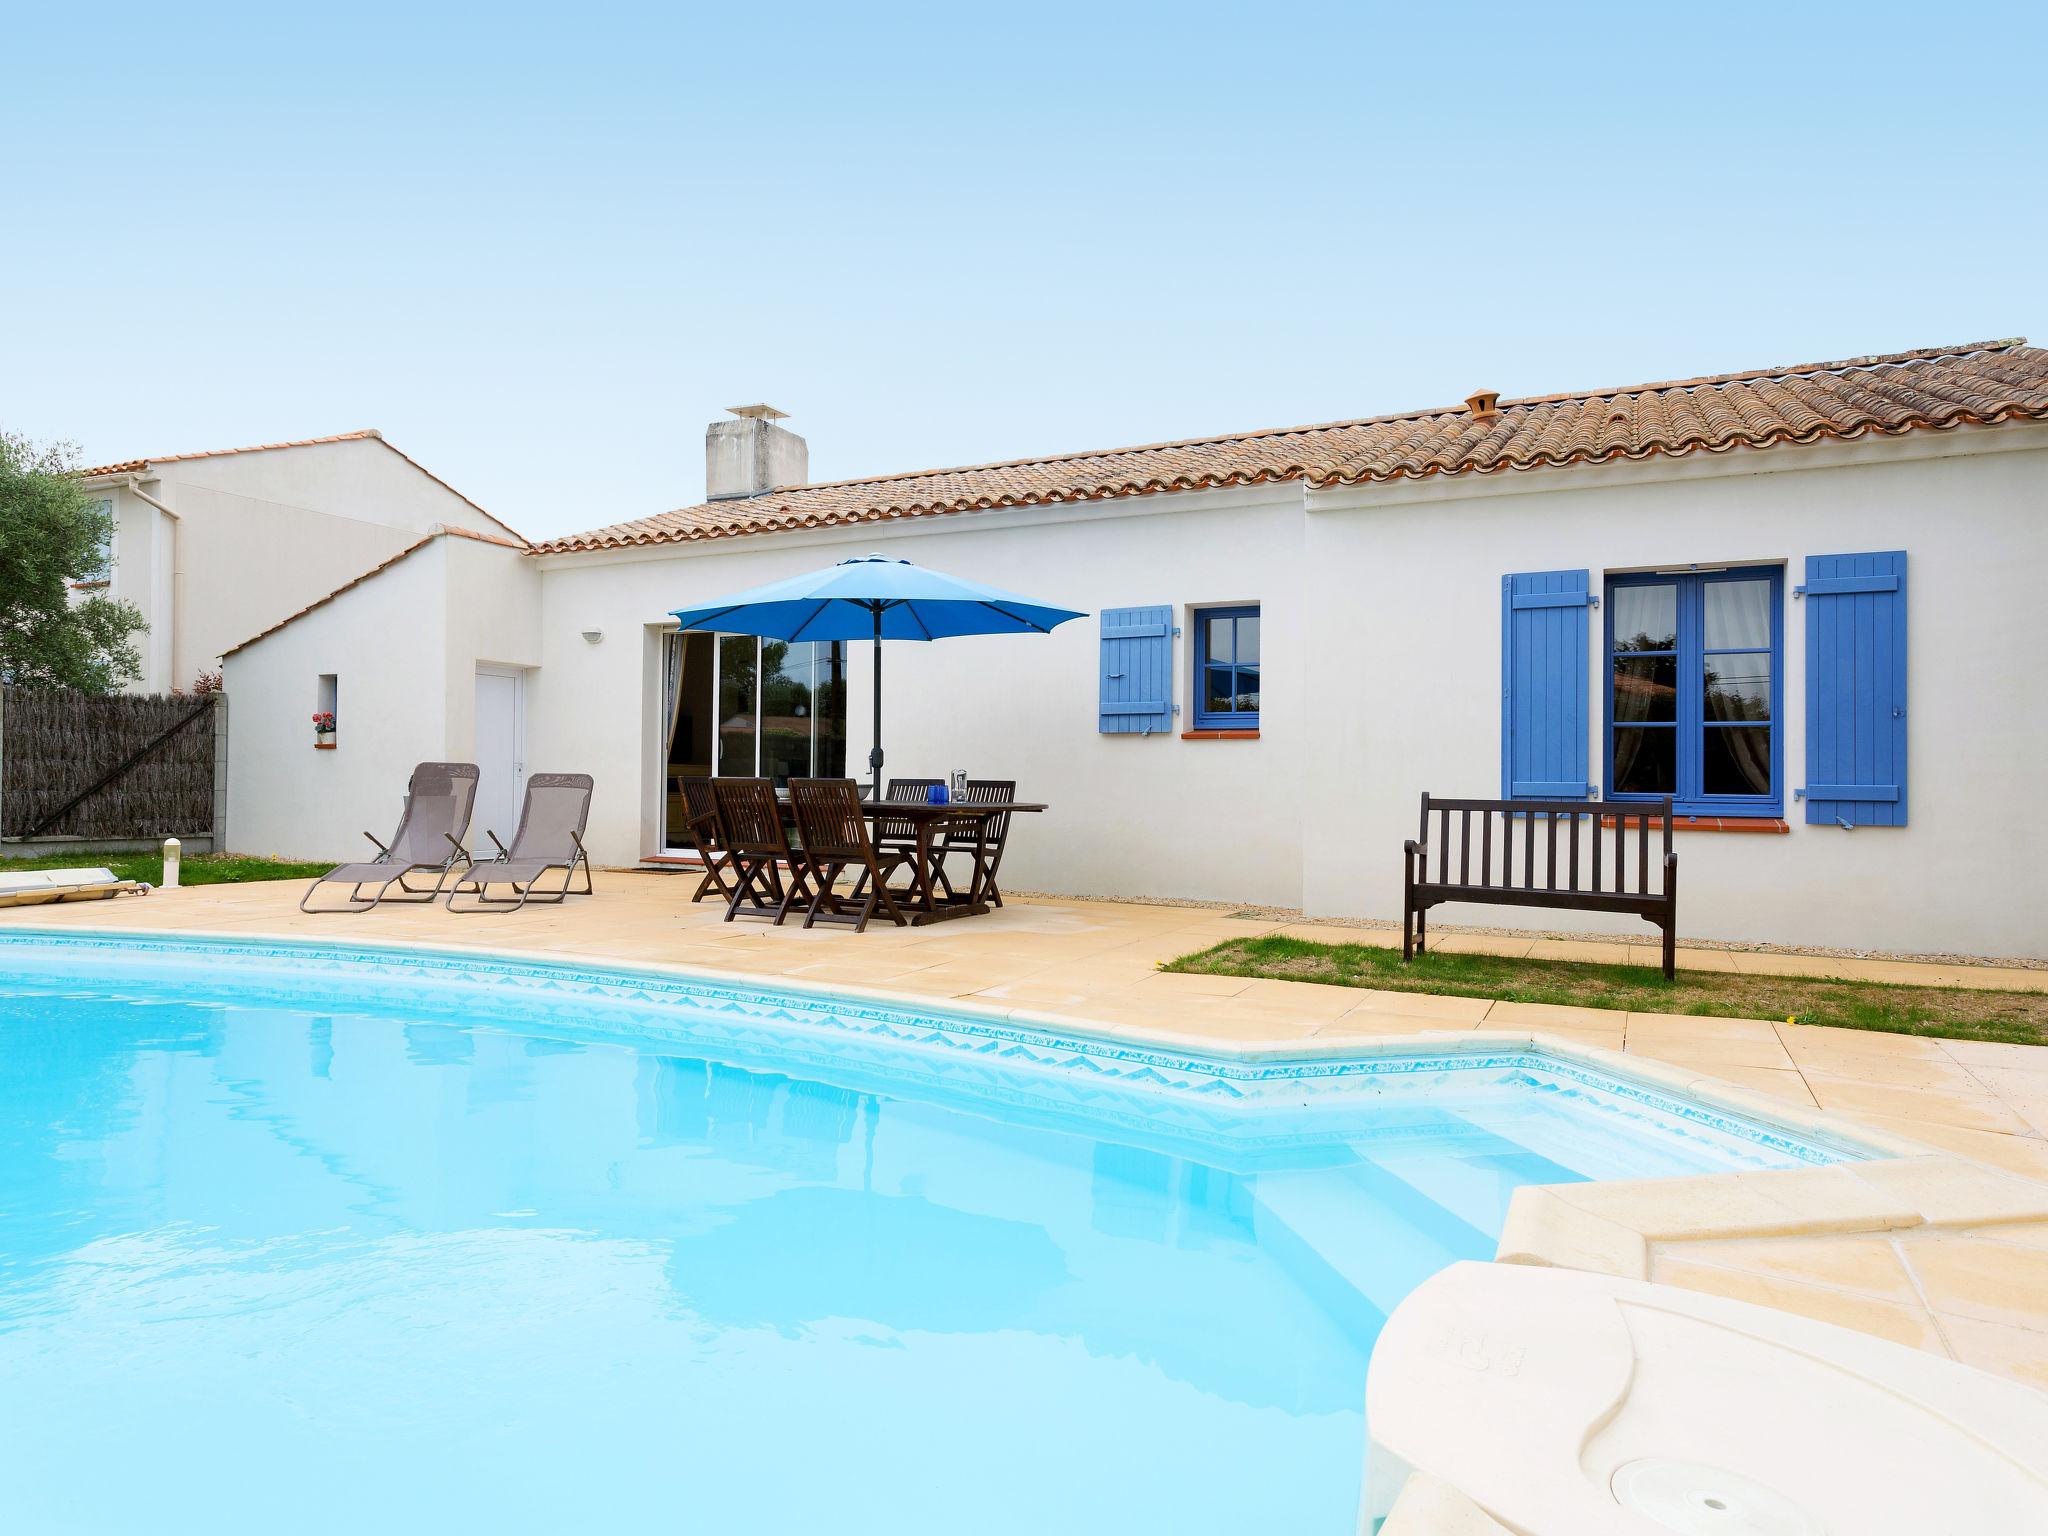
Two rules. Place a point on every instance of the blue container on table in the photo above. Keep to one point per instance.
(936, 795)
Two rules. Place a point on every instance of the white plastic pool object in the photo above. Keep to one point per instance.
(1572, 1404)
(1695, 1499)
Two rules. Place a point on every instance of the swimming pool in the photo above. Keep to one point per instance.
(315, 1238)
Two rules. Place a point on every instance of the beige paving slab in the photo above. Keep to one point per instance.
(1188, 984)
(2025, 1155)
(1895, 1071)
(1901, 1322)
(1870, 1266)
(2021, 1353)
(1993, 1053)
(1977, 1277)
(1553, 1016)
(1481, 944)
(1782, 1083)
(1579, 949)
(1822, 1039)
(1976, 1112)
(1668, 1027)
(1423, 1005)
(1302, 998)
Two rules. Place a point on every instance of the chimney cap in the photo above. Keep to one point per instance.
(1484, 404)
(758, 412)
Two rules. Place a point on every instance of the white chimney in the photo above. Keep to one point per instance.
(751, 454)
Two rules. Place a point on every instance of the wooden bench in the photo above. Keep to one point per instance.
(1585, 875)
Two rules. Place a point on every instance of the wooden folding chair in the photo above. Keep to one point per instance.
(982, 840)
(750, 822)
(705, 837)
(835, 838)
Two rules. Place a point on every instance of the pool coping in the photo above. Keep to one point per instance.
(1608, 1226)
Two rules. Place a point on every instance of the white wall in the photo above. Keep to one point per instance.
(1381, 610)
(1130, 815)
(404, 647)
(260, 536)
(1404, 653)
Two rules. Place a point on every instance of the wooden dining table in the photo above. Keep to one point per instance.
(926, 902)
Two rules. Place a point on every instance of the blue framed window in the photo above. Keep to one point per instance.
(1227, 669)
(1694, 684)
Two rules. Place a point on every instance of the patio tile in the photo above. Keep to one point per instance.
(1374, 1027)
(2024, 1092)
(1902, 1323)
(1463, 1010)
(1670, 1028)
(1712, 1055)
(1870, 1042)
(2022, 1154)
(1884, 1069)
(2020, 1353)
(1989, 1281)
(1607, 1039)
(1481, 944)
(1921, 1106)
(1781, 1083)
(1549, 1016)
(1307, 998)
(1870, 1266)
(1993, 1053)
(1579, 949)
(1188, 984)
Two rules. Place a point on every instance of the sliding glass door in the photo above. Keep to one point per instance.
(740, 707)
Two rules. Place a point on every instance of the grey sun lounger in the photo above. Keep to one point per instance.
(550, 837)
(438, 801)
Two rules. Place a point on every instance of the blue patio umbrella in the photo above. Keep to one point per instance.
(872, 597)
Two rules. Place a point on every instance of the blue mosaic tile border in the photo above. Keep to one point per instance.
(846, 1028)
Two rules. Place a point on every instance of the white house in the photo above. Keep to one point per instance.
(1796, 599)
(212, 547)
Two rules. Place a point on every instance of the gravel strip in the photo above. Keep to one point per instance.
(1381, 925)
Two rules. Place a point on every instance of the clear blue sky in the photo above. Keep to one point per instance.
(541, 249)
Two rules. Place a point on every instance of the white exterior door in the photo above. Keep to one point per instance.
(500, 757)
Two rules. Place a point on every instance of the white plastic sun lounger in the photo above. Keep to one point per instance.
(34, 887)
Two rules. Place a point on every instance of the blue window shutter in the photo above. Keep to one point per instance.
(1543, 718)
(1137, 671)
(1856, 690)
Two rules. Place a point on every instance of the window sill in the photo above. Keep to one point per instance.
(1219, 735)
(324, 746)
(1768, 825)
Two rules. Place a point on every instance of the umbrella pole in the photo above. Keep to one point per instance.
(875, 752)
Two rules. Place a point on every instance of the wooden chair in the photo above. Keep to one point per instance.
(750, 822)
(900, 837)
(983, 841)
(835, 837)
(705, 836)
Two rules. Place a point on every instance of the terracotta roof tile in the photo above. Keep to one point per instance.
(1936, 388)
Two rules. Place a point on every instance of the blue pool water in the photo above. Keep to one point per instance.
(324, 1240)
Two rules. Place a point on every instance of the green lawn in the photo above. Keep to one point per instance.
(1960, 1013)
(193, 869)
